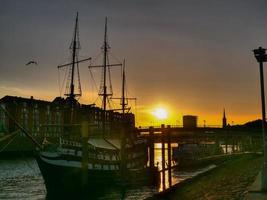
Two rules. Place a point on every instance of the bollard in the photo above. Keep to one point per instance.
(226, 147)
(151, 147)
(169, 156)
(84, 134)
(123, 166)
(163, 156)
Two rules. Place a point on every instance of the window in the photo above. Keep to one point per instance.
(36, 120)
(2, 119)
(48, 120)
(24, 116)
(58, 121)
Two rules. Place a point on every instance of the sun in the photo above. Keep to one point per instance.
(160, 113)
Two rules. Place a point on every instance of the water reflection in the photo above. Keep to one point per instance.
(158, 162)
(21, 178)
(196, 150)
(176, 176)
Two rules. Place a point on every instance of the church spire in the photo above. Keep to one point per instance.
(224, 120)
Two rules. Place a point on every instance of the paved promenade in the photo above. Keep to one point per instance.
(254, 192)
(227, 182)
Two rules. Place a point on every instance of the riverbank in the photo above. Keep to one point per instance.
(229, 181)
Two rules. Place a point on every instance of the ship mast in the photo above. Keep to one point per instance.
(123, 103)
(124, 99)
(105, 94)
(105, 72)
(74, 47)
(123, 128)
(105, 47)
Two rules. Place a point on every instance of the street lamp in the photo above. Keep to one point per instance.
(261, 57)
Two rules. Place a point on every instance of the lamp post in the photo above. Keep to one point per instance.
(261, 57)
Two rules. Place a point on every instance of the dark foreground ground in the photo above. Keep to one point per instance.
(227, 182)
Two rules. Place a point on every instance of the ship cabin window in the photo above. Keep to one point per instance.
(106, 156)
(95, 116)
(105, 167)
(90, 166)
(98, 156)
(128, 165)
(97, 166)
(91, 155)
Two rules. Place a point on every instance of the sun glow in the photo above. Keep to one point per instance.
(160, 113)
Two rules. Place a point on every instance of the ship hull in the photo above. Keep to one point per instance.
(73, 182)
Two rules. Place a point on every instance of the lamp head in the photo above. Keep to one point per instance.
(260, 54)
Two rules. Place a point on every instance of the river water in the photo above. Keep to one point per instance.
(21, 179)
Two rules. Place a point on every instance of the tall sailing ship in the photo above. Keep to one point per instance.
(90, 154)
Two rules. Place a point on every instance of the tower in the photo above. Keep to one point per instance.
(224, 120)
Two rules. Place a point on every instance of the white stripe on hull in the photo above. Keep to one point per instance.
(78, 164)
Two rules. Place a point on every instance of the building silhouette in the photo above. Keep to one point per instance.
(51, 118)
(189, 121)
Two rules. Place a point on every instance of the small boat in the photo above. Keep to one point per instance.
(192, 152)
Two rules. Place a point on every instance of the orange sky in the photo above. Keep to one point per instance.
(190, 57)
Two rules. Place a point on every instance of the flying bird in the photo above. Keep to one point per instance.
(31, 62)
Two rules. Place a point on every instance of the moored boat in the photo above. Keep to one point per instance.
(95, 155)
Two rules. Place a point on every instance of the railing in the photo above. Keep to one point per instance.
(179, 126)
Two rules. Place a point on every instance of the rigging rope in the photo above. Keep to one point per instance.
(58, 80)
(109, 77)
(93, 85)
(112, 55)
(79, 78)
(93, 79)
(135, 110)
(63, 83)
(96, 58)
(8, 143)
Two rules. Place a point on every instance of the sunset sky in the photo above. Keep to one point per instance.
(185, 56)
